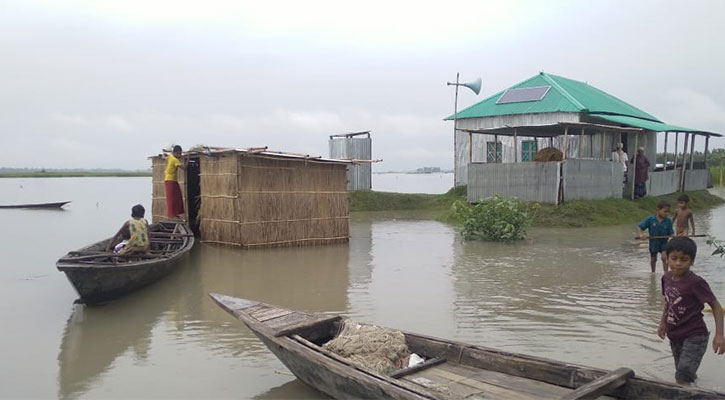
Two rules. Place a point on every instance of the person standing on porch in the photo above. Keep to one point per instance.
(620, 156)
(174, 199)
(640, 173)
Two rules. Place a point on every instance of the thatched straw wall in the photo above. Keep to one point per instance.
(158, 193)
(259, 201)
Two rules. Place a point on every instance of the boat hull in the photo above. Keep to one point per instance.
(59, 204)
(104, 282)
(452, 369)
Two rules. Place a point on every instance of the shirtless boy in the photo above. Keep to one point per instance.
(683, 217)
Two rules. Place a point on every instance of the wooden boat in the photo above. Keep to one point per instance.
(100, 276)
(59, 204)
(452, 370)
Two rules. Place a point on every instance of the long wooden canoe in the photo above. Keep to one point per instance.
(58, 204)
(452, 370)
(100, 276)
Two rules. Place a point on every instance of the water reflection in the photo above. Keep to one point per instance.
(95, 337)
(310, 278)
(292, 390)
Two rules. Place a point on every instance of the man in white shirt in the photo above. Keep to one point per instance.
(620, 156)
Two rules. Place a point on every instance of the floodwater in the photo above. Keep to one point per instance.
(579, 295)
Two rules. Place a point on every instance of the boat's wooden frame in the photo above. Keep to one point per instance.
(100, 276)
(55, 205)
(453, 370)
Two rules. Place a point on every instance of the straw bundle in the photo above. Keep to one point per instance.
(549, 154)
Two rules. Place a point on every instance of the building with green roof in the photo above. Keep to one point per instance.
(583, 122)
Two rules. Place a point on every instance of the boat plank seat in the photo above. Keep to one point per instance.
(460, 381)
(410, 370)
(602, 385)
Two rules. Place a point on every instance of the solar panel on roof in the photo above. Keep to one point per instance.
(521, 95)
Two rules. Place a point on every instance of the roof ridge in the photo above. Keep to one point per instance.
(563, 91)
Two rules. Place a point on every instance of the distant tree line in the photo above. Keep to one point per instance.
(714, 158)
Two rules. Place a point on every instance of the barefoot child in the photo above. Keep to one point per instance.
(657, 225)
(683, 217)
(685, 293)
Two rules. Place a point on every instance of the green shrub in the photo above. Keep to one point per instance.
(498, 219)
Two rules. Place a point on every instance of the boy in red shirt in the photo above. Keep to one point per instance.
(682, 322)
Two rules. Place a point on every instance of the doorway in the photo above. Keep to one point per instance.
(193, 194)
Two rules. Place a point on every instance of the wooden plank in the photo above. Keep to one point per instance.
(286, 320)
(458, 386)
(278, 313)
(410, 370)
(444, 387)
(602, 385)
(264, 312)
(294, 328)
(252, 309)
(530, 386)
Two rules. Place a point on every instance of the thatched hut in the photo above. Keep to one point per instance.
(258, 198)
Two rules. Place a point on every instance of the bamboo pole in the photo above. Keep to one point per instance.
(495, 149)
(676, 139)
(581, 144)
(566, 141)
(470, 147)
(516, 151)
(707, 144)
(604, 135)
(664, 168)
(692, 151)
(684, 164)
(634, 165)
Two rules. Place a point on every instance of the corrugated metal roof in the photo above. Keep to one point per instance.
(650, 125)
(566, 95)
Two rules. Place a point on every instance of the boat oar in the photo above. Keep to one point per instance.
(667, 237)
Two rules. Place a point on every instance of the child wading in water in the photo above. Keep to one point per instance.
(657, 225)
(683, 217)
(685, 293)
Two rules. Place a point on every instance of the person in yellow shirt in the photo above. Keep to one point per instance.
(174, 200)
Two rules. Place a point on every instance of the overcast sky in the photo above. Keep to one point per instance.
(104, 84)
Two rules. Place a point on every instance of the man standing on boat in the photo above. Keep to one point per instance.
(174, 200)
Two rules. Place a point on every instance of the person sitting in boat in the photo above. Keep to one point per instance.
(136, 230)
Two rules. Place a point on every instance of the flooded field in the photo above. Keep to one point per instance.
(579, 295)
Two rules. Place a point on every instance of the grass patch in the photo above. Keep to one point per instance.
(717, 174)
(370, 200)
(581, 213)
(577, 213)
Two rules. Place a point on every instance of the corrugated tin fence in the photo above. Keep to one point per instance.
(540, 181)
(345, 147)
(592, 179)
(696, 179)
(662, 182)
(531, 181)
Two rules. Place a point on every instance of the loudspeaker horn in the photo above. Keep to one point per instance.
(475, 85)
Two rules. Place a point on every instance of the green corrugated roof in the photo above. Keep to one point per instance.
(565, 95)
(649, 125)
